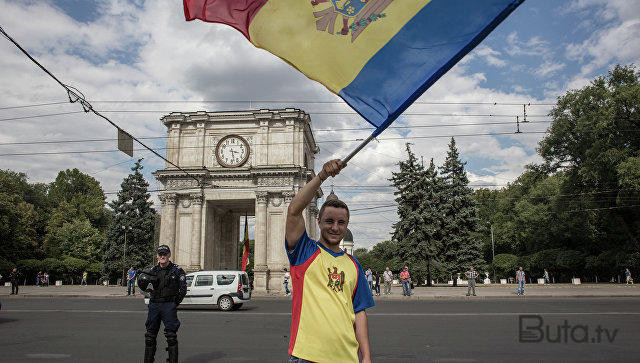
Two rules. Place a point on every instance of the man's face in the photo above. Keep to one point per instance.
(387, 269)
(333, 225)
(163, 257)
(472, 269)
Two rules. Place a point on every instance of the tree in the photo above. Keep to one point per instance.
(418, 230)
(460, 249)
(79, 239)
(75, 196)
(22, 216)
(132, 209)
(594, 140)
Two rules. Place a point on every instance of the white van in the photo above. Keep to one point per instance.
(227, 289)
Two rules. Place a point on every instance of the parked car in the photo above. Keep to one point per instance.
(226, 289)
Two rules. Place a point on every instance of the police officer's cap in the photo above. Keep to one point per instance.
(163, 249)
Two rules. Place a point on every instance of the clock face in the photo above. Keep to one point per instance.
(232, 151)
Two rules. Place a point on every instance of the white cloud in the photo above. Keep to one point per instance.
(618, 42)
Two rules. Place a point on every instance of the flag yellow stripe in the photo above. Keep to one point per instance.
(287, 28)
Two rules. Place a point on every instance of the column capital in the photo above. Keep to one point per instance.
(262, 197)
(288, 196)
(168, 199)
(196, 199)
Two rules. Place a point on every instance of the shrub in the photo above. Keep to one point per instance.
(29, 269)
(505, 265)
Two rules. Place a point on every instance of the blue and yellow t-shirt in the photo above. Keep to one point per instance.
(328, 289)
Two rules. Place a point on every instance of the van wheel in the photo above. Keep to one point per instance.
(237, 306)
(225, 303)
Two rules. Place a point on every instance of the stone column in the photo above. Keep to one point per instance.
(260, 246)
(312, 223)
(168, 220)
(196, 223)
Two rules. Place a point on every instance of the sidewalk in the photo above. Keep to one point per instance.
(419, 293)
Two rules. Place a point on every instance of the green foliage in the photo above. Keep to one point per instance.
(29, 269)
(5, 266)
(80, 239)
(505, 265)
(417, 234)
(132, 209)
(576, 214)
(73, 268)
(460, 250)
(76, 197)
(82, 192)
(570, 263)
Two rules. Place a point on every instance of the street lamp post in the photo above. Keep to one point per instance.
(493, 251)
(124, 255)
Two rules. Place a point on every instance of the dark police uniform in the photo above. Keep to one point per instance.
(169, 288)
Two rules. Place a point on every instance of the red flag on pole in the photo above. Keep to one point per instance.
(246, 254)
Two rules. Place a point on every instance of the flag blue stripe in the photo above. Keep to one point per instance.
(430, 44)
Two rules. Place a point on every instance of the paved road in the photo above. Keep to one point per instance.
(102, 330)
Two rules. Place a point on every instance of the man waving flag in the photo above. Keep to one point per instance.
(378, 55)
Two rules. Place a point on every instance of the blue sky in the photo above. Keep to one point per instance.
(129, 51)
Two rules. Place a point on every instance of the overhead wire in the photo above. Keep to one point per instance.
(76, 96)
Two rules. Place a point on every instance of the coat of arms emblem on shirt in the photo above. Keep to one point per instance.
(336, 280)
(356, 15)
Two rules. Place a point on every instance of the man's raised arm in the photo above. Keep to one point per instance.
(295, 222)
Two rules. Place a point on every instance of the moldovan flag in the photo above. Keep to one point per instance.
(378, 55)
(246, 253)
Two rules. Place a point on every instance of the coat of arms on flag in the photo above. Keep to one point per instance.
(356, 15)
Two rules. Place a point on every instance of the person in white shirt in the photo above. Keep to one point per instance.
(388, 277)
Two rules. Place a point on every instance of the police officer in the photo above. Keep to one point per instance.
(169, 288)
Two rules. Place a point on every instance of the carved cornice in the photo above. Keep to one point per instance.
(167, 199)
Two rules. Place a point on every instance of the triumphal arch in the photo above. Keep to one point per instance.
(240, 162)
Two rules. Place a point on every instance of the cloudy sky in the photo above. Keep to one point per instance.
(139, 60)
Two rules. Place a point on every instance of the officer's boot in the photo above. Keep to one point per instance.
(149, 347)
(172, 346)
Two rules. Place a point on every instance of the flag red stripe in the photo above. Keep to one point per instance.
(297, 273)
(235, 13)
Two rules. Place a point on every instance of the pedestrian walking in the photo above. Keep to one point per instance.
(520, 279)
(377, 282)
(169, 288)
(471, 276)
(627, 273)
(131, 281)
(335, 286)
(39, 278)
(388, 278)
(45, 279)
(14, 277)
(405, 277)
(84, 279)
(287, 278)
(369, 276)
(546, 276)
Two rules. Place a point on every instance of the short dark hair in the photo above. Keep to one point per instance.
(335, 203)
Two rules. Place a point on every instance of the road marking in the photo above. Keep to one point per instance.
(245, 313)
(47, 355)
